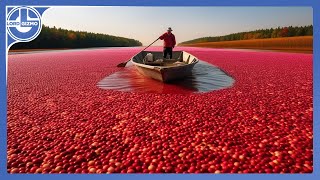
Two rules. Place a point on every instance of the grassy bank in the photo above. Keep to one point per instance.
(302, 44)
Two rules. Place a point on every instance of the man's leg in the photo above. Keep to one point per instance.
(165, 51)
(170, 52)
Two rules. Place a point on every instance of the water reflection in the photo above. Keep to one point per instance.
(205, 78)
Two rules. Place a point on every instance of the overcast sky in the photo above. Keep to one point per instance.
(147, 23)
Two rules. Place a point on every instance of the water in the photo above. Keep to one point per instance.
(205, 78)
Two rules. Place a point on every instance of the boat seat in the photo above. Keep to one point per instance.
(154, 63)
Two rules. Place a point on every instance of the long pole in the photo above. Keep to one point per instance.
(123, 64)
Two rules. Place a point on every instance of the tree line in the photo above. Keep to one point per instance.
(62, 38)
(259, 34)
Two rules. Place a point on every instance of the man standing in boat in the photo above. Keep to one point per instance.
(169, 41)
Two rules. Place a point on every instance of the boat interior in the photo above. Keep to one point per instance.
(179, 58)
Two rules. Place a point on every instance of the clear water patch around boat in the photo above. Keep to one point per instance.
(205, 78)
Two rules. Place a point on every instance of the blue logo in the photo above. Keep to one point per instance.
(23, 23)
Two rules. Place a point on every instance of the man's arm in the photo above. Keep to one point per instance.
(174, 41)
(162, 36)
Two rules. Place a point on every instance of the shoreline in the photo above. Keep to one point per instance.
(53, 49)
(299, 44)
(26, 51)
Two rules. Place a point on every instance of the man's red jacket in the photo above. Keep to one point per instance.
(169, 40)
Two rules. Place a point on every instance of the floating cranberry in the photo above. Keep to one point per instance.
(59, 121)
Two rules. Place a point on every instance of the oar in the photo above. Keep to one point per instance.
(123, 64)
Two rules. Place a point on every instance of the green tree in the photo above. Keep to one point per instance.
(62, 38)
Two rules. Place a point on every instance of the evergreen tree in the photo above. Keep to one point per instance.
(62, 38)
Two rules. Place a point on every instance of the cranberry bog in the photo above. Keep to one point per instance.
(59, 121)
